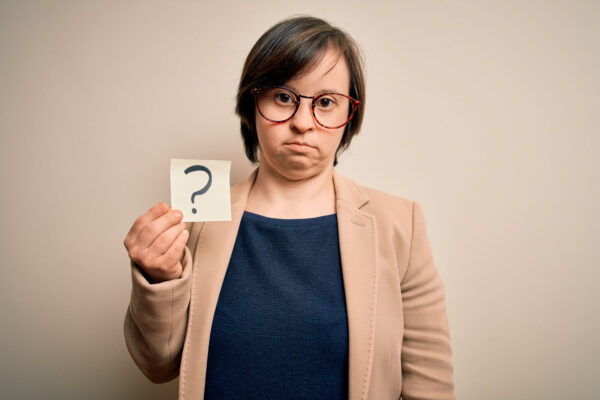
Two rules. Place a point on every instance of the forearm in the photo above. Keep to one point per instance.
(156, 321)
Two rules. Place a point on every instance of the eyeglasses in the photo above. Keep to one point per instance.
(278, 104)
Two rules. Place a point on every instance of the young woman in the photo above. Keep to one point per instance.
(318, 287)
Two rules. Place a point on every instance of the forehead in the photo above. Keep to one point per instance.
(329, 73)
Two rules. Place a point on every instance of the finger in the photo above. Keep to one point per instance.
(173, 256)
(164, 241)
(155, 228)
(142, 221)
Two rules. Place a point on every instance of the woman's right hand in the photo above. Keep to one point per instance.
(156, 242)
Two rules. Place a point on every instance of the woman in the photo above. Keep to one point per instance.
(318, 287)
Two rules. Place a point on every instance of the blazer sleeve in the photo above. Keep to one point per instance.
(156, 319)
(426, 352)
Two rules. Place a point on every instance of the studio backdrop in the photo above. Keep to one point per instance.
(485, 112)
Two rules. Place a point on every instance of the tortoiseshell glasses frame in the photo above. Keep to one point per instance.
(353, 102)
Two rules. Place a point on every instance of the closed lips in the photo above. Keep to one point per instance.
(300, 144)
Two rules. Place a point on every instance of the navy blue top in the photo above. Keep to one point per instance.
(280, 329)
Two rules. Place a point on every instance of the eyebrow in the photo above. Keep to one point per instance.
(326, 90)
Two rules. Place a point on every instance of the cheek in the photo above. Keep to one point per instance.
(336, 138)
(261, 129)
(267, 135)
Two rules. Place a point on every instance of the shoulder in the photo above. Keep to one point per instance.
(393, 217)
(387, 205)
(384, 198)
(380, 204)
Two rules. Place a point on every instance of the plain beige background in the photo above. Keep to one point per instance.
(487, 113)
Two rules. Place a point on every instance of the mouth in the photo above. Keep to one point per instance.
(299, 145)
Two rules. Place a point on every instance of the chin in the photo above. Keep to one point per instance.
(300, 169)
(295, 167)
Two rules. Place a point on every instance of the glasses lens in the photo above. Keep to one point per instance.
(277, 104)
(332, 110)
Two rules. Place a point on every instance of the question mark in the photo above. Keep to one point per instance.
(206, 187)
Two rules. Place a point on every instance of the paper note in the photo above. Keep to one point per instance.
(200, 189)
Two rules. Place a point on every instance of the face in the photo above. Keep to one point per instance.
(301, 148)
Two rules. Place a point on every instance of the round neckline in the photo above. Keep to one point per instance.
(290, 221)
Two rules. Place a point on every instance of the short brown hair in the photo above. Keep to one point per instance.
(287, 49)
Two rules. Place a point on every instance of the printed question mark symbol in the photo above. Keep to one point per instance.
(206, 187)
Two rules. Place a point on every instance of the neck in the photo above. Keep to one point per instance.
(277, 196)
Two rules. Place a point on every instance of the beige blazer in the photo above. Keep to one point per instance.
(398, 327)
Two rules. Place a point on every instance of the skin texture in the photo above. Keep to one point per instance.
(295, 181)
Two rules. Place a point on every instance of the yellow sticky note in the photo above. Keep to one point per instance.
(200, 189)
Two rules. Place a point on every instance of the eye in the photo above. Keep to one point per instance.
(284, 98)
(325, 102)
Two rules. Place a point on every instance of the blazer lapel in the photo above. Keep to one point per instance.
(211, 258)
(358, 249)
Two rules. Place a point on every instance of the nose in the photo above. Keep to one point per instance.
(302, 120)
